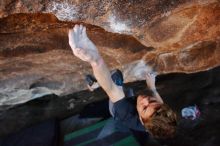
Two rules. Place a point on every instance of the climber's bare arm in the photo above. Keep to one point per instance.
(150, 80)
(84, 49)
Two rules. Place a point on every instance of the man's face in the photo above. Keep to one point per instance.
(146, 106)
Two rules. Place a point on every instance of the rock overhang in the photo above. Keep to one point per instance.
(160, 36)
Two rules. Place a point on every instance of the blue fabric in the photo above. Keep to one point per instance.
(112, 126)
(117, 77)
(125, 111)
(125, 117)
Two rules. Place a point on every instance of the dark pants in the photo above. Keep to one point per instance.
(112, 125)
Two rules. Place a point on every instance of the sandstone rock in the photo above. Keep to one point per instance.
(135, 36)
(163, 36)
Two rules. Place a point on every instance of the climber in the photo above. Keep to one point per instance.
(150, 113)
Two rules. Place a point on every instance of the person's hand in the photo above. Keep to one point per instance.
(81, 45)
(150, 80)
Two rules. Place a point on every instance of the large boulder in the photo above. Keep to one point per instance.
(133, 35)
(181, 37)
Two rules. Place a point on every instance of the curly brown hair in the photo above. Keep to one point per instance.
(162, 123)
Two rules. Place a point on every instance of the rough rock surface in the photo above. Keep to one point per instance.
(168, 36)
(164, 36)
